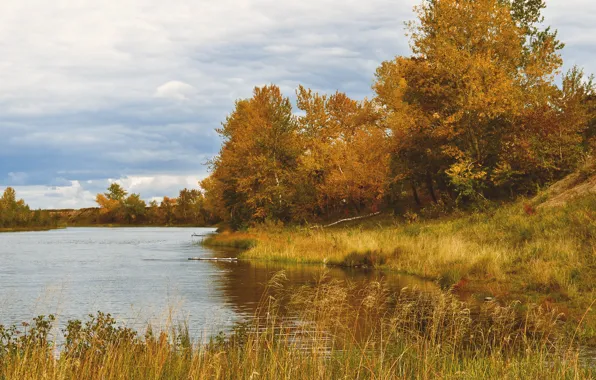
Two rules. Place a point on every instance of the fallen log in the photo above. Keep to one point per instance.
(213, 258)
(349, 220)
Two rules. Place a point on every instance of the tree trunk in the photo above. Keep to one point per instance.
(429, 185)
(415, 194)
(444, 187)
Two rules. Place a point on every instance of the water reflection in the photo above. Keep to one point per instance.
(243, 283)
(141, 276)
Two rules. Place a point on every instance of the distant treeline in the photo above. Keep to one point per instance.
(116, 206)
(475, 113)
(16, 214)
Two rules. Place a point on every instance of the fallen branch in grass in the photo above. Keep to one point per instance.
(348, 220)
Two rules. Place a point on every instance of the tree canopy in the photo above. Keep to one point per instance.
(15, 213)
(480, 110)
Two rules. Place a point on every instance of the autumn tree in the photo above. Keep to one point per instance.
(115, 192)
(16, 213)
(153, 214)
(411, 107)
(214, 204)
(167, 209)
(13, 212)
(482, 71)
(344, 159)
(134, 208)
(190, 207)
(254, 169)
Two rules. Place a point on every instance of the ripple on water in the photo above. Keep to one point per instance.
(139, 275)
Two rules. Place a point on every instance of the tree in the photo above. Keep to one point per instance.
(214, 203)
(254, 169)
(111, 204)
(189, 207)
(8, 207)
(406, 90)
(166, 209)
(109, 209)
(134, 208)
(344, 160)
(153, 214)
(482, 71)
(115, 192)
(16, 213)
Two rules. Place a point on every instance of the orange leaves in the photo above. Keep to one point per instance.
(469, 111)
(253, 171)
(274, 165)
(346, 155)
(479, 93)
(106, 205)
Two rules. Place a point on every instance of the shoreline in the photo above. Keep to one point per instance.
(504, 254)
(44, 229)
(30, 229)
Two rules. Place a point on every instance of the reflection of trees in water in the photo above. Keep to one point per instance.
(243, 283)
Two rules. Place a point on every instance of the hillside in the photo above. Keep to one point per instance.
(575, 185)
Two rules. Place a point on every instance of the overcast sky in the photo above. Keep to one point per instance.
(131, 90)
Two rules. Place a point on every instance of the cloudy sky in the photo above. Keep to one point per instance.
(131, 90)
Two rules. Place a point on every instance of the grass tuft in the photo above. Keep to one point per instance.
(326, 330)
(549, 253)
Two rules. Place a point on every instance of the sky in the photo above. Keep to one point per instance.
(131, 91)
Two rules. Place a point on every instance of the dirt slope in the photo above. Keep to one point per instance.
(574, 185)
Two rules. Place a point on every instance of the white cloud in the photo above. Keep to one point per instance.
(175, 90)
(158, 185)
(134, 88)
(82, 194)
(58, 197)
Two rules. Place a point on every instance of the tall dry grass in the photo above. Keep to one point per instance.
(328, 330)
(545, 251)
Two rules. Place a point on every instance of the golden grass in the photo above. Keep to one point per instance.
(330, 330)
(28, 229)
(511, 252)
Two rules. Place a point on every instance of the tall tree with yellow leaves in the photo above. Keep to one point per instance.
(254, 169)
(344, 160)
(457, 109)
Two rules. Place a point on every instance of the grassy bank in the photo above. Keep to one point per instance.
(124, 225)
(546, 255)
(344, 333)
(28, 229)
(233, 240)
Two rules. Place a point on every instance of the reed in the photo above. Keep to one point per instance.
(326, 330)
(545, 256)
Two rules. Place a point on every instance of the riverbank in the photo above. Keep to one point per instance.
(367, 334)
(545, 255)
(124, 225)
(29, 229)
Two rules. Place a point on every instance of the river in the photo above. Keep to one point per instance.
(141, 276)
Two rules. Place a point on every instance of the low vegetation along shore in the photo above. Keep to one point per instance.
(518, 251)
(27, 229)
(344, 333)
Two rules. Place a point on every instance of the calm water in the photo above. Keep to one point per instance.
(139, 275)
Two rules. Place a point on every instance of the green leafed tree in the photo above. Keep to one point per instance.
(134, 208)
